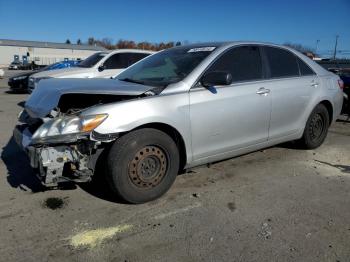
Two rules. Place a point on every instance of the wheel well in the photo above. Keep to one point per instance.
(329, 107)
(175, 135)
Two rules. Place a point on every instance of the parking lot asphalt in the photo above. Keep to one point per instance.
(278, 204)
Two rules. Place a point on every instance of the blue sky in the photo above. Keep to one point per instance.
(275, 21)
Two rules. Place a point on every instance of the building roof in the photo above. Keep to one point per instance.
(8, 42)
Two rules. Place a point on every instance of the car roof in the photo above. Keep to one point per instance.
(230, 43)
(130, 51)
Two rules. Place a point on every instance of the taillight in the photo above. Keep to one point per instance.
(341, 84)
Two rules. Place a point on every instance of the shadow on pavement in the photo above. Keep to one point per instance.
(21, 175)
(291, 145)
(344, 118)
(19, 172)
(15, 92)
(344, 121)
(99, 187)
(21, 104)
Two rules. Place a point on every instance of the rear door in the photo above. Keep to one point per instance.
(226, 118)
(292, 83)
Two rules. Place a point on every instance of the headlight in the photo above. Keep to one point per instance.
(61, 127)
(19, 78)
(33, 81)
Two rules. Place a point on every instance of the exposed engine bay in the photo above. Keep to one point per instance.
(72, 156)
(73, 103)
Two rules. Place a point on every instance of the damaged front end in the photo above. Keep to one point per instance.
(62, 148)
(56, 134)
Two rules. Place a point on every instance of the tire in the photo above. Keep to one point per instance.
(316, 128)
(142, 165)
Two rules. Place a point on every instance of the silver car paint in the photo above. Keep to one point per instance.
(44, 99)
(223, 124)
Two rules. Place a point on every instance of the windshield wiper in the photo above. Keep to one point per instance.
(132, 81)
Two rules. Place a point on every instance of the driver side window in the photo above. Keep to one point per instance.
(117, 61)
(243, 63)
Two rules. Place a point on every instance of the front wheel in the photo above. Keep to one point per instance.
(142, 165)
(316, 128)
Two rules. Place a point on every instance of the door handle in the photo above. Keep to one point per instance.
(314, 84)
(263, 91)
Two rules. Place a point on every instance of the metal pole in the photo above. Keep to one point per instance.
(317, 42)
(335, 47)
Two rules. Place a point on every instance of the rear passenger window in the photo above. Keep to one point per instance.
(305, 70)
(282, 62)
(244, 63)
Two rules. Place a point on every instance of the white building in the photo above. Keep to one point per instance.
(43, 53)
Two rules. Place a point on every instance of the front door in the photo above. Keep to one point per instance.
(113, 66)
(227, 118)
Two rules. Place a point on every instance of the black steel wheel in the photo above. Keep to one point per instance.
(142, 165)
(148, 167)
(316, 128)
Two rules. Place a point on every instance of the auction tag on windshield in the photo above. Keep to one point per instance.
(201, 49)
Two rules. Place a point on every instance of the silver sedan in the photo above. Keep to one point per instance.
(176, 109)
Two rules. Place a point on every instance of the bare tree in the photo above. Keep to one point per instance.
(91, 41)
(123, 44)
(107, 43)
(169, 45)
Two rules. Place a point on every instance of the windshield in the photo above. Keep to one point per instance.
(92, 60)
(166, 67)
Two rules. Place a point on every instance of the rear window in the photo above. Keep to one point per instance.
(305, 70)
(282, 62)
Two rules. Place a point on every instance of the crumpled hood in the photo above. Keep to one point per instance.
(47, 95)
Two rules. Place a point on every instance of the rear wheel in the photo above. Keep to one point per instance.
(316, 128)
(142, 165)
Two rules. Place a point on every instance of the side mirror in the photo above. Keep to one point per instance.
(101, 68)
(216, 78)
